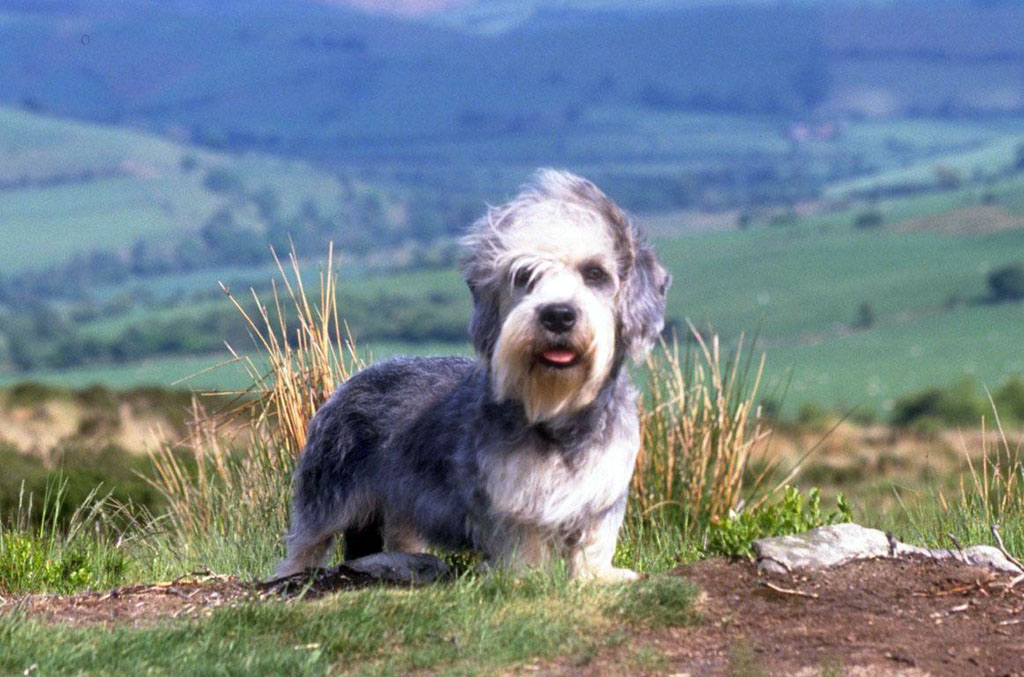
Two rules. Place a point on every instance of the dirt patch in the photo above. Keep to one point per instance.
(974, 220)
(135, 604)
(191, 596)
(905, 617)
(870, 617)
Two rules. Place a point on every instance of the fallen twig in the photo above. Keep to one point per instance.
(1002, 548)
(788, 591)
(959, 550)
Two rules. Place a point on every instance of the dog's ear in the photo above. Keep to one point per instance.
(481, 248)
(485, 325)
(642, 314)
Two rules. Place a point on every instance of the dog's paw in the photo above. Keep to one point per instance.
(610, 575)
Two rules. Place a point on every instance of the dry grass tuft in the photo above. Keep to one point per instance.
(993, 487)
(228, 486)
(702, 434)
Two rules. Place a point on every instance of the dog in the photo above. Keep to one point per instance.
(525, 452)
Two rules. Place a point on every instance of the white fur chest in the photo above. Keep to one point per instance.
(540, 488)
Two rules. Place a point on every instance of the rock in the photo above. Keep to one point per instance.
(837, 544)
(388, 568)
(820, 548)
(400, 567)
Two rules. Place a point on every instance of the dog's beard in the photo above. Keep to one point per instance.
(520, 372)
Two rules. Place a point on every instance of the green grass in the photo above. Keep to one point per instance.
(871, 369)
(468, 627)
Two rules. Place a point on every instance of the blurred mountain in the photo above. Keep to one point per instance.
(321, 80)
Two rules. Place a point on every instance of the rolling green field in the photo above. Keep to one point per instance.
(68, 187)
(800, 291)
(218, 371)
(802, 285)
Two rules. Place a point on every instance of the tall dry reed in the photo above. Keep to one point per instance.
(227, 484)
(702, 434)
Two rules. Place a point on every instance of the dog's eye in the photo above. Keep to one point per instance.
(522, 277)
(595, 275)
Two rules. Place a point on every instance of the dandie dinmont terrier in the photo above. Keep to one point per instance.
(525, 451)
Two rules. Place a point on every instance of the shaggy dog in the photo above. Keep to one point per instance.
(524, 452)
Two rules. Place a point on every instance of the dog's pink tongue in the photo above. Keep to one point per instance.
(560, 356)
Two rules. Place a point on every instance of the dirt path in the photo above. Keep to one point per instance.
(865, 618)
(870, 617)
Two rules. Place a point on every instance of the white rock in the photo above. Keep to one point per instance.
(837, 544)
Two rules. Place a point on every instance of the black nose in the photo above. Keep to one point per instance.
(558, 317)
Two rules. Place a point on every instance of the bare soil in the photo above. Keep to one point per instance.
(878, 617)
(909, 617)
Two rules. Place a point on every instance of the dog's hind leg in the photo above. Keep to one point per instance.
(399, 536)
(307, 549)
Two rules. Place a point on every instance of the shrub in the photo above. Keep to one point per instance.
(222, 180)
(1009, 398)
(959, 404)
(791, 513)
(869, 219)
(1007, 282)
(813, 415)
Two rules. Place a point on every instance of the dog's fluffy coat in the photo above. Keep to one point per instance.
(525, 451)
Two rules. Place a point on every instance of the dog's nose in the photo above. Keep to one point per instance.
(558, 317)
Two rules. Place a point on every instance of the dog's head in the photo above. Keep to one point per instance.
(563, 288)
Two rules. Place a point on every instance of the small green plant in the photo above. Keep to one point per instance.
(660, 601)
(791, 513)
(61, 555)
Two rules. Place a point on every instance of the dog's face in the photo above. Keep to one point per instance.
(562, 289)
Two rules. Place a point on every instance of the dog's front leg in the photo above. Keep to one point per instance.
(590, 558)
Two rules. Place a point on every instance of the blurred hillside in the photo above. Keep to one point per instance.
(847, 179)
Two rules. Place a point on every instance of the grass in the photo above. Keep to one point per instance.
(471, 626)
(989, 492)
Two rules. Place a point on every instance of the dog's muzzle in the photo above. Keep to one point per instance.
(558, 319)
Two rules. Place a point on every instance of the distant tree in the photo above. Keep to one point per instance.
(948, 178)
(231, 242)
(869, 219)
(222, 180)
(786, 218)
(865, 316)
(812, 82)
(1007, 283)
(189, 163)
(267, 203)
